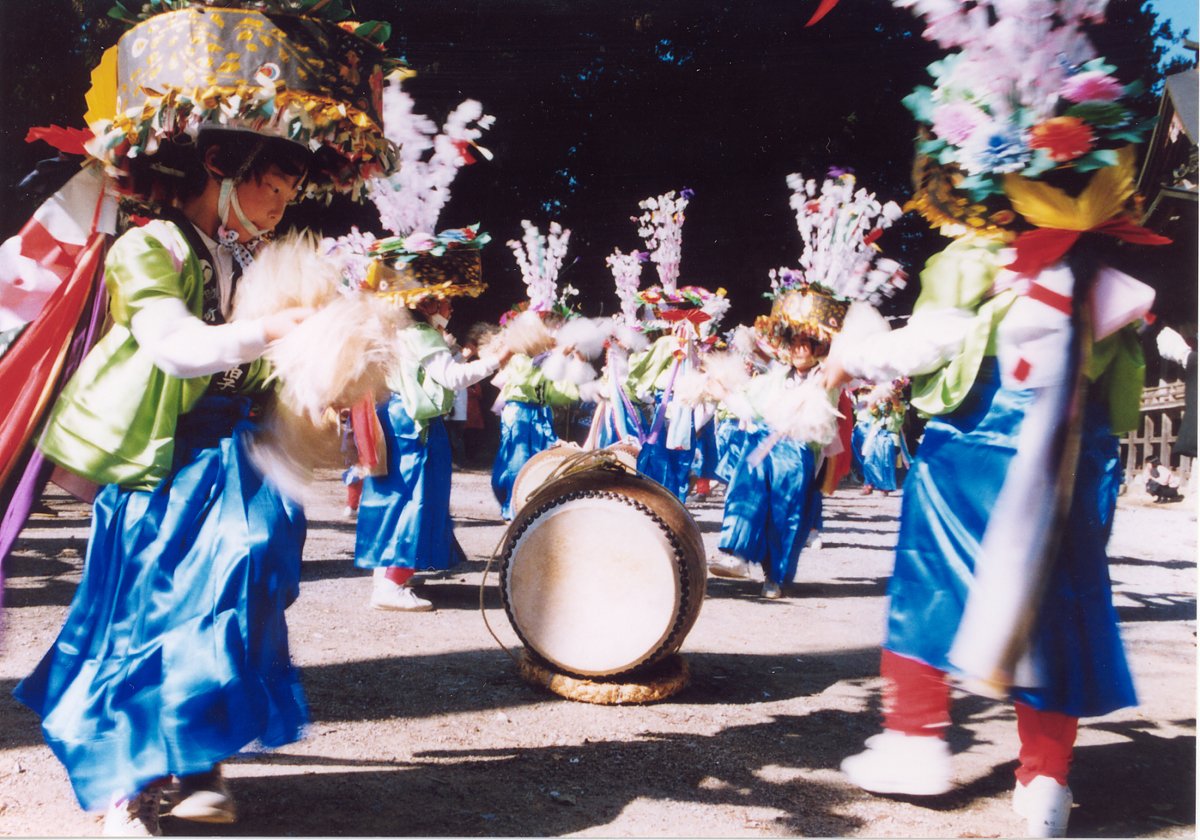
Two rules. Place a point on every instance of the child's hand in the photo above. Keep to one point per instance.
(279, 324)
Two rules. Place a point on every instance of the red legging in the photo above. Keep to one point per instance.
(398, 574)
(916, 701)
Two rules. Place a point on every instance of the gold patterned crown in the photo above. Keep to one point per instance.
(307, 80)
(804, 311)
(452, 274)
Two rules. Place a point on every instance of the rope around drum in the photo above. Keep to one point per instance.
(585, 460)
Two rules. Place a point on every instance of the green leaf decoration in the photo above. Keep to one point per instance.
(1041, 162)
(1100, 114)
(931, 147)
(920, 103)
(1098, 64)
(1097, 159)
(375, 31)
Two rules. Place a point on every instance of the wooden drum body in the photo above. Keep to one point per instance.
(603, 573)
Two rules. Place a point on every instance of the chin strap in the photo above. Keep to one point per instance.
(243, 252)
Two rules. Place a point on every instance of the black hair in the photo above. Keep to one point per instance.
(178, 170)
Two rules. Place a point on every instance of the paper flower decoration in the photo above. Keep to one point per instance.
(662, 228)
(412, 197)
(540, 258)
(838, 227)
(627, 272)
(1026, 94)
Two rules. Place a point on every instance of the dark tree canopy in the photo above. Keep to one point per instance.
(602, 103)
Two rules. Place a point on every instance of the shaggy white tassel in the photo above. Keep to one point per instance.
(528, 335)
(804, 413)
(593, 391)
(632, 340)
(333, 358)
(289, 447)
(727, 379)
(586, 336)
(563, 368)
(337, 355)
(691, 387)
(291, 271)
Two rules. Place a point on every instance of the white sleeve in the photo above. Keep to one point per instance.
(457, 375)
(929, 341)
(182, 345)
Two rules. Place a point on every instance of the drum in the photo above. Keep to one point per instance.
(538, 470)
(603, 572)
(547, 464)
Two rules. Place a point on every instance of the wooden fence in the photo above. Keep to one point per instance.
(1162, 413)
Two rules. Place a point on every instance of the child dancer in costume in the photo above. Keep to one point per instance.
(687, 319)
(404, 521)
(174, 655)
(1001, 578)
(404, 515)
(773, 502)
(883, 441)
(619, 416)
(528, 396)
(770, 505)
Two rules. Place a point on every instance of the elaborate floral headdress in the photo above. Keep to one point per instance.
(840, 262)
(662, 228)
(415, 263)
(1026, 97)
(690, 311)
(540, 257)
(186, 66)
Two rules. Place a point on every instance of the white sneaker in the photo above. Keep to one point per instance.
(815, 542)
(1045, 804)
(204, 797)
(915, 765)
(389, 595)
(771, 590)
(350, 513)
(728, 566)
(136, 817)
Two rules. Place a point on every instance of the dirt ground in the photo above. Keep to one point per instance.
(421, 724)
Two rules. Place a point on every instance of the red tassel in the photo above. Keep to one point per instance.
(822, 10)
(69, 140)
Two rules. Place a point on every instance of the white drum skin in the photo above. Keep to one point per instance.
(603, 573)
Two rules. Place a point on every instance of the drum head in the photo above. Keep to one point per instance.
(594, 583)
(538, 469)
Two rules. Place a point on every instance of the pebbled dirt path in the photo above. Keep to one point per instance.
(421, 725)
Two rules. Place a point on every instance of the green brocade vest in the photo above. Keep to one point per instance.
(961, 276)
(650, 370)
(525, 383)
(114, 422)
(424, 399)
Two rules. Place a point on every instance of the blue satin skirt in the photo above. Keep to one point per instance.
(669, 467)
(525, 430)
(857, 437)
(731, 441)
(707, 457)
(174, 655)
(879, 459)
(771, 507)
(404, 516)
(948, 495)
